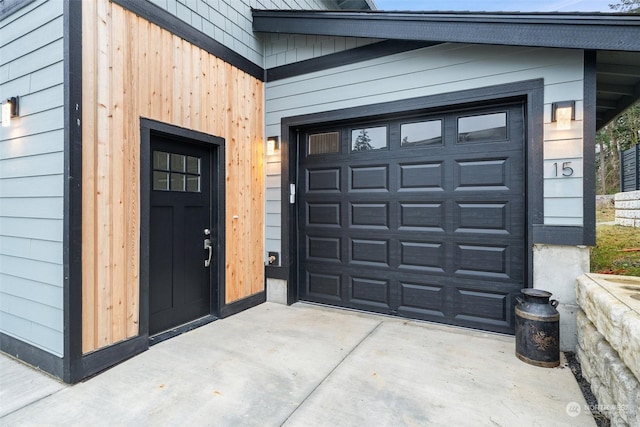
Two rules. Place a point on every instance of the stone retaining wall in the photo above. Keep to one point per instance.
(628, 208)
(608, 327)
(605, 201)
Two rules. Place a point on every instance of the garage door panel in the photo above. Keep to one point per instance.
(369, 178)
(324, 249)
(370, 252)
(427, 176)
(482, 260)
(422, 216)
(370, 293)
(323, 180)
(483, 308)
(370, 215)
(424, 256)
(422, 298)
(487, 175)
(483, 217)
(323, 214)
(323, 286)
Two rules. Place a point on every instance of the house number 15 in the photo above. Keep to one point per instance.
(565, 169)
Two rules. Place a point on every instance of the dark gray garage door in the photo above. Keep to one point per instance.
(421, 217)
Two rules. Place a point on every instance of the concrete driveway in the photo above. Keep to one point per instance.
(306, 365)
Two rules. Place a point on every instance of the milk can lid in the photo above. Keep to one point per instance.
(531, 292)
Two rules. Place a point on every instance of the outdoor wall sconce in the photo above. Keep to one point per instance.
(563, 113)
(9, 110)
(273, 145)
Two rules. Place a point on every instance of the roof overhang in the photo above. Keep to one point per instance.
(356, 4)
(616, 38)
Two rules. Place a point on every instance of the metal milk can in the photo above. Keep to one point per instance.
(537, 329)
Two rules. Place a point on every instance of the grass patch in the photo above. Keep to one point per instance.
(617, 250)
(605, 214)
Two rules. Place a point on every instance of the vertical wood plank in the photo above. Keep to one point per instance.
(194, 103)
(167, 76)
(117, 175)
(88, 175)
(137, 88)
(155, 72)
(176, 96)
(244, 151)
(206, 75)
(103, 179)
(186, 83)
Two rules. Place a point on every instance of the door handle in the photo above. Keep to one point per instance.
(207, 245)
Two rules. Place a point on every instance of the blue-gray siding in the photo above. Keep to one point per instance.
(435, 70)
(284, 49)
(230, 22)
(31, 176)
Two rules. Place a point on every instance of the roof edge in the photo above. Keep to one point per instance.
(594, 31)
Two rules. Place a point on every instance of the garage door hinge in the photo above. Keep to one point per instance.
(292, 193)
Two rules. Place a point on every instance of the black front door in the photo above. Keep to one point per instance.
(180, 277)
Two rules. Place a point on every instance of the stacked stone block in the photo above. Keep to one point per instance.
(609, 346)
(628, 208)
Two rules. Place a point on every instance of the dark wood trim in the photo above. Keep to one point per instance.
(589, 151)
(175, 25)
(534, 116)
(32, 355)
(72, 246)
(531, 90)
(587, 31)
(273, 272)
(7, 7)
(243, 304)
(104, 358)
(351, 56)
(163, 336)
(558, 235)
(148, 128)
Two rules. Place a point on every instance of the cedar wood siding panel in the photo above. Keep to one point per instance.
(437, 70)
(31, 177)
(131, 69)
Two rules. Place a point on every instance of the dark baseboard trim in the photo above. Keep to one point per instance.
(163, 336)
(238, 306)
(559, 235)
(32, 355)
(175, 25)
(351, 56)
(271, 272)
(100, 360)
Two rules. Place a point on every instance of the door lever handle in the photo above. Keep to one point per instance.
(207, 245)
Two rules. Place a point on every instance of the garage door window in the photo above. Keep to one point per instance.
(368, 139)
(324, 143)
(482, 128)
(421, 133)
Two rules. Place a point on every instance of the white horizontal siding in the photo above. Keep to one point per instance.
(437, 70)
(32, 175)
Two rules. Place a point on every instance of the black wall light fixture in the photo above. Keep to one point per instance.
(9, 110)
(563, 113)
(273, 145)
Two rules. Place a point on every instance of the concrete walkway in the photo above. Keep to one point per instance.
(306, 365)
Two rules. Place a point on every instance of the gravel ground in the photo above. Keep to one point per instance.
(600, 418)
